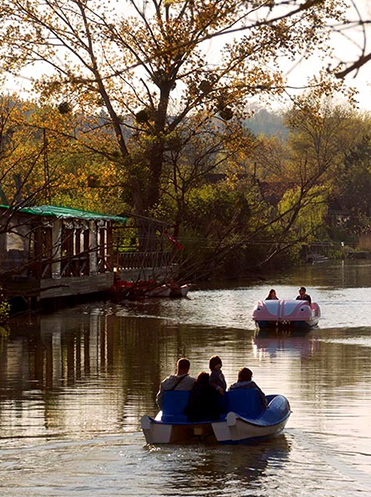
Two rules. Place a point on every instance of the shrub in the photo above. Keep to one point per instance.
(4, 310)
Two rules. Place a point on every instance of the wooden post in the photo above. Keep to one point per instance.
(48, 252)
(102, 249)
(38, 252)
(77, 252)
(109, 246)
(86, 252)
(2, 250)
(93, 246)
(56, 248)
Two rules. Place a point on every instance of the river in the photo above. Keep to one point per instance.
(74, 384)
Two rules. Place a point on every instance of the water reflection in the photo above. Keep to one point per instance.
(228, 470)
(299, 343)
(73, 386)
(77, 373)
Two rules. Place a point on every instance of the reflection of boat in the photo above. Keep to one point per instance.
(290, 341)
(245, 419)
(286, 313)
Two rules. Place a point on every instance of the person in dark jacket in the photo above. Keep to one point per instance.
(303, 295)
(217, 379)
(245, 381)
(203, 400)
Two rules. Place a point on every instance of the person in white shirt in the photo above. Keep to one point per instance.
(179, 381)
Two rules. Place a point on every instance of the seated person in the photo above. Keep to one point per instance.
(245, 381)
(179, 381)
(303, 295)
(217, 379)
(203, 402)
(272, 295)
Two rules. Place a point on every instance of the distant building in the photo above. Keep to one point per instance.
(337, 215)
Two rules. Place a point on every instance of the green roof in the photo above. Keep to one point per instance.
(66, 212)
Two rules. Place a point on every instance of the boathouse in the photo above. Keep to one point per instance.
(51, 252)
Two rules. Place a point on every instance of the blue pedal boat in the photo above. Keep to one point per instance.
(245, 419)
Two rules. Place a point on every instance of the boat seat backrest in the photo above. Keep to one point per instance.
(173, 406)
(246, 402)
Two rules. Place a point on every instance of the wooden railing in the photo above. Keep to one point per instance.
(137, 260)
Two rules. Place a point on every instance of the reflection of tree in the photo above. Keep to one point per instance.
(102, 372)
(337, 365)
(82, 373)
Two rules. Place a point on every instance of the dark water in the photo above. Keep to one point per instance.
(73, 386)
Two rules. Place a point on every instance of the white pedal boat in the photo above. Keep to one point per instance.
(246, 420)
(286, 313)
(179, 290)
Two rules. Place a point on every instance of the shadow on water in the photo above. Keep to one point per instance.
(225, 469)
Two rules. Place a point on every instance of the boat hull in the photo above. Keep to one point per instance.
(240, 430)
(232, 428)
(156, 432)
(160, 291)
(179, 291)
(283, 325)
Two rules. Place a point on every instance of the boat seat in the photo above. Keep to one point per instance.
(246, 402)
(173, 406)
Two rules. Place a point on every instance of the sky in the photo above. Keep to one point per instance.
(346, 47)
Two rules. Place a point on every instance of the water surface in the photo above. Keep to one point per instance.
(74, 384)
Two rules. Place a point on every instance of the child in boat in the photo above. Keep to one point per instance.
(245, 381)
(272, 295)
(203, 402)
(217, 379)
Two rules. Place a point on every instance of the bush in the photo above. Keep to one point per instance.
(4, 310)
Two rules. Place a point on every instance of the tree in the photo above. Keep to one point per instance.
(354, 31)
(144, 67)
(27, 172)
(353, 179)
(320, 136)
(298, 177)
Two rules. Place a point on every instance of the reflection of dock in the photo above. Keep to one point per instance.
(294, 342)
(73, 372)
